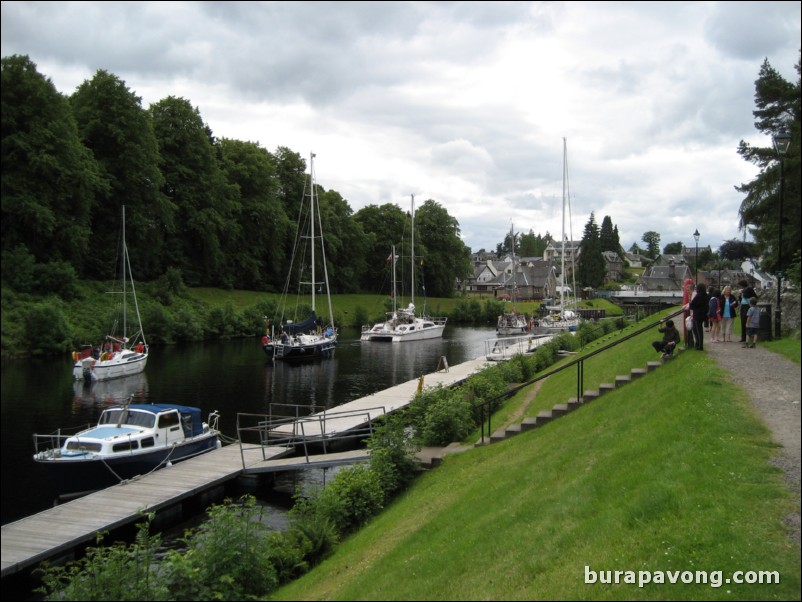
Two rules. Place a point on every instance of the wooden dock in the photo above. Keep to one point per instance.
(58, 531)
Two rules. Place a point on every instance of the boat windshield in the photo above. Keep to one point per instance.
(132, 417)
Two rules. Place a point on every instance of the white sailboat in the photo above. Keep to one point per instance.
(404, 324)
(562, 318)
(121, 353)
(512, 323)
(310, 338)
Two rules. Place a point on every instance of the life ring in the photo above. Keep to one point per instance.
(265, 340)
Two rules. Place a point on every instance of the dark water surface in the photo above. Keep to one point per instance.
(39, 396)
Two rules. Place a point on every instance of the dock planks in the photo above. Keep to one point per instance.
(57, 531)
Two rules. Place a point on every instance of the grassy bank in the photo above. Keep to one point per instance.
(669, 473)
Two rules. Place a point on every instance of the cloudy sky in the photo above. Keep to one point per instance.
(466, 103)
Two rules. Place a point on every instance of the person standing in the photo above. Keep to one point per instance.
(699, 308)
(714, 315)
(729, 310)
(752, 323)
(747, 292)
(687, 319)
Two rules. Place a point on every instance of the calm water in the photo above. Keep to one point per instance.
(39, 396)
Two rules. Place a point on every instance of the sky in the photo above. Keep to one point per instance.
(472, 104)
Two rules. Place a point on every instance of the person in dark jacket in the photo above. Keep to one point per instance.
(670, 340)
(699, 307)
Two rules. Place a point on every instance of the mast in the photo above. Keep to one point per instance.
(312, 220)
(562, 259)
(512, 244)
(412, 255)
(125, 291)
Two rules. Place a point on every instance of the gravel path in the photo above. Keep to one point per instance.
(773, 384)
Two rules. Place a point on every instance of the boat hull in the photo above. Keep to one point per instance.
(84, 474)
(124, 364)
(300, 351)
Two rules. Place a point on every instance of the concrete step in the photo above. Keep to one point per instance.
(638, 372)
(653, 365)
(620, 381)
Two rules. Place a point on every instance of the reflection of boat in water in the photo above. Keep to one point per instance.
(104, 393)
(128, 440)
(499, 350)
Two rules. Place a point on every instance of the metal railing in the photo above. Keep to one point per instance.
(260, 431)
(486, 407)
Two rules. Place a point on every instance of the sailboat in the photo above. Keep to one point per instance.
(404, 324)
(121, 353)
(310, 338)
(512, 323)
(561, 318)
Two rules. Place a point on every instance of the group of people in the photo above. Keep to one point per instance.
(719, 310)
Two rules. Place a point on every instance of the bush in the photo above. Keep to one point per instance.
(354, 496)
(449, 418)
(46, 329)
(392, 455)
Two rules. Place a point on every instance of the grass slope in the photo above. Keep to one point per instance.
(669, 473)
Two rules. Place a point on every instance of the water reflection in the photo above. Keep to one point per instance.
(40, 396)
(99, 395)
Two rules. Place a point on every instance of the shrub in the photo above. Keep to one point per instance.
(449, 418)
(392, 455)
(351, 498)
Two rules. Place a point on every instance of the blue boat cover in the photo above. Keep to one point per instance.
(307, 325)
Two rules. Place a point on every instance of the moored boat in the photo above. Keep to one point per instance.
(128, 440)
(121, 353)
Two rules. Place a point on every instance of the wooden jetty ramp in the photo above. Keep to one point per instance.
(57, 532)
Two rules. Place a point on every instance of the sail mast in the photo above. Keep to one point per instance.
(562, 259)
(412, 255)
(125, 291)
(312, 220)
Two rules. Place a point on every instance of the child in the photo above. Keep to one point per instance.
(752, 323)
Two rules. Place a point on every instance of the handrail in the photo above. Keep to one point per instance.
(484, 407)
(270, 433)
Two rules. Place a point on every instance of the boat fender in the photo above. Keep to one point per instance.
(75, 356)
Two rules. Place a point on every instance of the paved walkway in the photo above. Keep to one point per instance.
(773, 384)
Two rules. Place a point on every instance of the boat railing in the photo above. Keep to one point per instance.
(53, 441)
(324, 429)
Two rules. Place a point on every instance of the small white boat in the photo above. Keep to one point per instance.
(128, 440)
(404, 324)
(120, 354)
(503, 349)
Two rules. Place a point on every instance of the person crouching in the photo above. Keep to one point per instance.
(670, 340)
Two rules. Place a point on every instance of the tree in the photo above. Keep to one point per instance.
(652, 240)
(443, 254)
(590, 266)
(119, 132)
(384, 226)
(737, 250)
(49, 179)
(778, 109)
(261, 240)
(673, 248)
(608, 236)
(205, 229)
(533, 245)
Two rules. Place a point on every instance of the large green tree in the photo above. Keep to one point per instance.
(205, 230)
(49, 179)
(778, 110)
(119, 132)
(444, 256)
(385, 227)
(590, 265)
(652, 240)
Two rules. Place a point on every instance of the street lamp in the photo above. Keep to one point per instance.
(782, 141)
(696, 257)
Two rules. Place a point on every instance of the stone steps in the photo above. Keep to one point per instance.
(546, 416)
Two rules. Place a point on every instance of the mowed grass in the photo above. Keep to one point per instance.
(669, 473)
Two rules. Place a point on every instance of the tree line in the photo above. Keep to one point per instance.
(213, 212)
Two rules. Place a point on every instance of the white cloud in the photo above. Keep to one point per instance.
(463, 102)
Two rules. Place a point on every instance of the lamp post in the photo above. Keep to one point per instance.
(696, 257)
(782, 141)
